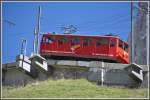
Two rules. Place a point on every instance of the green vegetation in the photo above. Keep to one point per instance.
(79, 88)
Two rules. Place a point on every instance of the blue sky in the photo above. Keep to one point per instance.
(92, 18)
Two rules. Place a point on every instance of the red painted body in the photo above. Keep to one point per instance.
(99, 47)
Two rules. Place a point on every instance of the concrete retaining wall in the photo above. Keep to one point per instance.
(13, 76)
(68, 72)
(114, 74)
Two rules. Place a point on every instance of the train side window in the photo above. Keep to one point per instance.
(112, 43)
(87, 42)
(120, 44)
(126, 47)
(102, 41)
(98, 43)
(62, 40)
(75, 41)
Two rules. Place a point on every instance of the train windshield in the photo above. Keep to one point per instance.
(123, 45)
(126, 47)
(120, 43)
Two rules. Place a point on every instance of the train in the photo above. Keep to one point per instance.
(107, 48)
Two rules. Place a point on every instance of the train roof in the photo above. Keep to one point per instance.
(80, 35)
(83, 35)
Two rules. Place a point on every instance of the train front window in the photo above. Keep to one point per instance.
(120, 43)
(48, 41)
(126, 47)
(42, 41)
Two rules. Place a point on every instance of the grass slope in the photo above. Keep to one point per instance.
(79, 88)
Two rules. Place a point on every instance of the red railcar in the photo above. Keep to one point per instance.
(106, 48)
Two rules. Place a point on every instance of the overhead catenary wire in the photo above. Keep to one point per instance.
(115, 21)
(9, 22)
(99, 27)
(90, 23)
(93, 27)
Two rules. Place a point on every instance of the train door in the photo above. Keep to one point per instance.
(112, 47)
